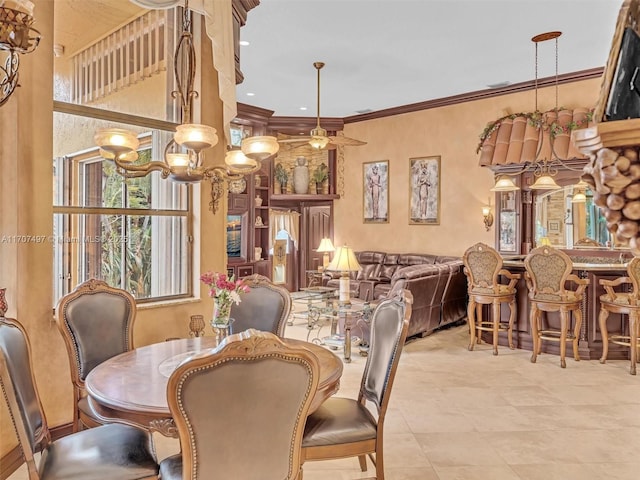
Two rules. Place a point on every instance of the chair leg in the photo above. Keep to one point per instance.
(379, 462)
(496, 324)
(564, 320)
(602, 319)
(533, 320)
(478, 319)
(576, 334)
(471, 315)
(633, 340)
(512, 317)
(363, 462)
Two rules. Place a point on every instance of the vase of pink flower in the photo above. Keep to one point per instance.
(225, 291)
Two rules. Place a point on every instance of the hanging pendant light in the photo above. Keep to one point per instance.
(545, 182)
(504, 184)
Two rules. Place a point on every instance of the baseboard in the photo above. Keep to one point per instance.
(13, 460)
(10, 462)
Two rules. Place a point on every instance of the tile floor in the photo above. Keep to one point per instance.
(460, 415)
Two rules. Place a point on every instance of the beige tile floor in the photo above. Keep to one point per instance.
(460, 415)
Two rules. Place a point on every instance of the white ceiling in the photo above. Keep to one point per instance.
(386, 53)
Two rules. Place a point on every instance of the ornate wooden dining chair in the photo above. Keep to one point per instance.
(96, 322)
(265, 307)
(548, 272)
(483, 268)
(345, 427)
(240, 410)
(626, 303)
(107, 452)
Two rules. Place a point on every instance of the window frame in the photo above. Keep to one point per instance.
(66, 274)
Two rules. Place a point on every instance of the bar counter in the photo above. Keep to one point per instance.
(590, 342)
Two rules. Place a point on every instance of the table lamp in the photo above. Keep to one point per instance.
(344, 262)
(325, 247)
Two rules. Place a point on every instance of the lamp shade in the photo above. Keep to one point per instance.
(325, 246)
(545, 182)
(579, 198)
(260, 147)
(178, 159)
(116, 140)
(504, 184)
(318, 142)
(344, 260)
(195, 136)
(239, 161)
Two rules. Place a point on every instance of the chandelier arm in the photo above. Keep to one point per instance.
(133, 171)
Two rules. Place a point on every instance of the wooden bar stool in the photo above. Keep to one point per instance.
(626, 303)
(547, 272)
(483, 267)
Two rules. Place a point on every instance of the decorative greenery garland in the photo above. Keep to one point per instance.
(536, 119)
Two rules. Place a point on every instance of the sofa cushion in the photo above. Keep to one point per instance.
(415, 259)
(368, 270)
(369, 256)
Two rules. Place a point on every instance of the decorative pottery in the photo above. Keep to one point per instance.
(301, 176)
(196, 326)
(257, 251)
(258, 201)
(257, 180)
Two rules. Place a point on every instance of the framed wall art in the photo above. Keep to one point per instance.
(424, 191)
(376, 192)
(237, 237)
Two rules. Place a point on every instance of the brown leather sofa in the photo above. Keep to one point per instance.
(438, 285)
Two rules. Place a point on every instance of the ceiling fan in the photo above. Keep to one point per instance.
(318, 137)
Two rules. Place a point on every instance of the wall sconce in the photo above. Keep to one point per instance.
(183, 157)
(488, 216)
(16, 36)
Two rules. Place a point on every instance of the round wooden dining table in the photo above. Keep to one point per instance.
(131, 387)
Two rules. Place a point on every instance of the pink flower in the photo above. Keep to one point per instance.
(223, 289)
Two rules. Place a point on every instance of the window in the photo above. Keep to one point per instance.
(134, 233)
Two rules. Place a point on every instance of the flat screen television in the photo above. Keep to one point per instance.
(624, 96)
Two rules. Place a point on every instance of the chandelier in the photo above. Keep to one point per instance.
(544, 169)
(16, 36)
(183, 157)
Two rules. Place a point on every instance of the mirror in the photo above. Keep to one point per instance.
(562, 222)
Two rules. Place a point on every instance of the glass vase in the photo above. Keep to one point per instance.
(221, 321)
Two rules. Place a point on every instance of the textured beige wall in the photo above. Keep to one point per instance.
(453, 133)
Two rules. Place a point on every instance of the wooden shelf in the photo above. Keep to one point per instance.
(305, 198)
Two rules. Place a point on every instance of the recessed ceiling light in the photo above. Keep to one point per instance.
(365, 110)
(244, 43)
(303, 108)
(250, 94)
(499, 84)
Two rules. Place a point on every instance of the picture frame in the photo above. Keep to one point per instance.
(508, 231)
(238, 133)
(424, 190)
(237, 233)
(554, 226)
(375, 198)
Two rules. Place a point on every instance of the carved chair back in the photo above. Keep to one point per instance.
(482, 265)
(547, 273)
(265, 307)
(20, 391)
(240, 410)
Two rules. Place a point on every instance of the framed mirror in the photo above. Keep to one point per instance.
(568, 218)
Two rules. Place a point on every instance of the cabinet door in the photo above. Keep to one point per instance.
(508, 222)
